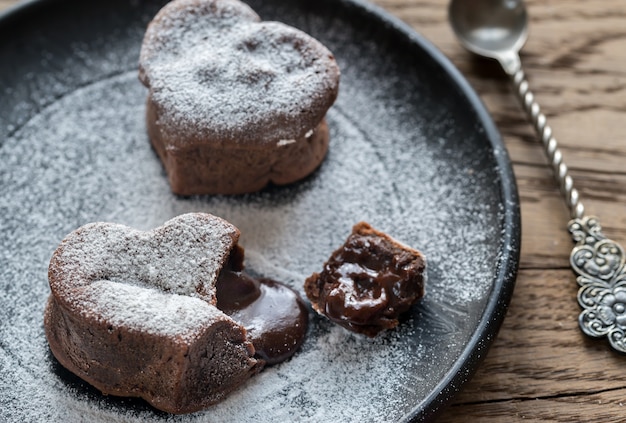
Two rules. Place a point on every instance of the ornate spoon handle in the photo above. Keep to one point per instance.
(598, 261)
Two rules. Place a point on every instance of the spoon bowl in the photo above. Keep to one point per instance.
(492, 28)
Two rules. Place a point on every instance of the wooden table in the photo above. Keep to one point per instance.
(541, 368)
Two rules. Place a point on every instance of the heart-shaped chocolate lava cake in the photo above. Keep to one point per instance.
(134, 313)
(234, 102)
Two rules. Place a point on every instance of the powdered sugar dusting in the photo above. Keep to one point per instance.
(402, 157)
(161, 281)
(215, 71)
(149, 311)
(183, 257)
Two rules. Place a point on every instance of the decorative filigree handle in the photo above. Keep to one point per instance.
(599, 264)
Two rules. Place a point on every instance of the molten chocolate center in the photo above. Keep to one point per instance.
(274, 315)
(368, 283)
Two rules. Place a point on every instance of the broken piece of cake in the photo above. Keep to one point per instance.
(368, 282)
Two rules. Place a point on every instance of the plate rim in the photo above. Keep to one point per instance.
(507, 265)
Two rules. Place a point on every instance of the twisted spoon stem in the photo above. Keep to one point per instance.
(550, 146)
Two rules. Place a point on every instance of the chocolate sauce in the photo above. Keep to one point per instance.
(274, 316)
(368, 282)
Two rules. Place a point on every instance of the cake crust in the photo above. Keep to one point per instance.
(234, 169)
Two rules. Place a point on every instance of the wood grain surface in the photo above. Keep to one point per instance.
(540, 367)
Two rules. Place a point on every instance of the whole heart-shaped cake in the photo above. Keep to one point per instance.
(134, 313)
(234, 102)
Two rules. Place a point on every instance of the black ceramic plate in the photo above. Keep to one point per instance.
(413, 152)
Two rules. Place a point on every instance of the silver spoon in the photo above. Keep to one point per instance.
(498, 29)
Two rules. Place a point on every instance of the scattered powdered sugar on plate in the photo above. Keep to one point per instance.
(398, 159)
(69, 166)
